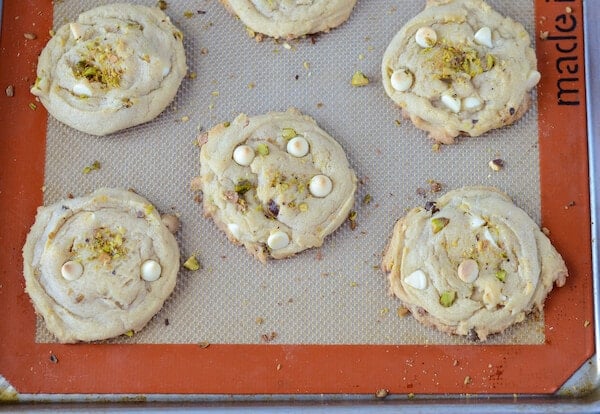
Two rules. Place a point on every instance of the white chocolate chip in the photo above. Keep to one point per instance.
(166, 70)
(533, 78)
(320, 186)
(451, 103)
(484, 37)
(298, 147)
(243, 155)
(76, 30)
(278, 240)
(416, 279)
(426, 37)
(472, 103)
(402, 80)
(82, 89)
(151, 270)
(468, 271)
(476, 222)
(234, 229)
(71, 270)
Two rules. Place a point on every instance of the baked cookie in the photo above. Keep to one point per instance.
(472, 263)
(116, 66)
(459, 67)
(276, 183)
(100, 265)
(290, 18)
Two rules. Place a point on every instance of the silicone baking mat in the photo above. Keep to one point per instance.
(323, 320)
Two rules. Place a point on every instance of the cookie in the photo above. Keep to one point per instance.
(276, 183)
(460, 68)
(100, 265)
(116, 66)
(471, 263)
(290, 18)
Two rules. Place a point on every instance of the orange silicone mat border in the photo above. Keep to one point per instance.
(301, 369)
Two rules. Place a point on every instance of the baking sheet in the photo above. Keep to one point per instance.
(332, 295)
(351, 303)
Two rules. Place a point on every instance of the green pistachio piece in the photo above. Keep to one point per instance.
(288, 133)
(192, 263)
(242, 187)
(262, 149)
(448, 298)
(501, 275)
(359, 79)
(438, 223)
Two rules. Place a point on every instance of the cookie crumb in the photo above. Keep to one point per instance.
(10, 91)
(402, 311)
(268, 337)
(496, 164)
(30, 36)
(546, 231)
(467, 380)
(544, 35)
(53, 358)
(586, 323)
(382, 393)
(203, 344)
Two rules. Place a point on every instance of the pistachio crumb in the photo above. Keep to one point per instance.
(259, 320)
(162, 4)
(359, 79)
(226, 124)
(93, 167)
(129, 333)
(188, 14)
(192, 263)
(288, 133)
(32, 106)
(367, 199)
(438, 223)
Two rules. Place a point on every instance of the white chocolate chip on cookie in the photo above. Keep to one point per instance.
(426, 37)
(451, 103)
(533, 78)
(243, 155)
(298, 147)
(468, 271)
(278, 240)
(320, 186)
(472, 103)
(416, 279)
(71, 270)
(151, 270)
(402, 80)
(484, 37)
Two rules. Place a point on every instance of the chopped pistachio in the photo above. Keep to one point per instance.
(438, 223)
(32, 106)
(226, 124)
(448, 298)
(242, 187)
(303, 207)
(501, 275)
(162, 4)
(359, 79)
(262, 149)
(367, 199)
(95, 166)
(288, 133)
(129, 333)
(188, 14)
(192, 263)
